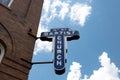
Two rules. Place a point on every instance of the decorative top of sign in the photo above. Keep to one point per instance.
(69, 33)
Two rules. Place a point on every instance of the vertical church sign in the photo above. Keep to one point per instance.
(59, 36)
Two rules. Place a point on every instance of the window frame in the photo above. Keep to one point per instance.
(2, 52)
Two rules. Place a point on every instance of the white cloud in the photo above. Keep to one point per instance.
(79, 13)
(42, 45)
(50, 10)
(64, 10)
(75, 72)
(107, 71)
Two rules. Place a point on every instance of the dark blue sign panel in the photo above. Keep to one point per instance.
(70, 34)
(59, 52)
(59, 37)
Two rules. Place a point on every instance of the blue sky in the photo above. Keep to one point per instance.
(95, 56)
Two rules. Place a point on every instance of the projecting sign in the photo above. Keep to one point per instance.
(59, 36)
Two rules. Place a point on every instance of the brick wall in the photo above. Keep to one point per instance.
(21, 18)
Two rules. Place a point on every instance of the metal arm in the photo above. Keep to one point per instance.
(48, 62)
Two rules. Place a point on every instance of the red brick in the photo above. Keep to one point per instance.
(15, 23)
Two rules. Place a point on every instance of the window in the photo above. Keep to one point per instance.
(2, 51)
(6, 2)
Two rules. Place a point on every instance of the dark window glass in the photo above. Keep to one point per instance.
(1, 52)
(6, 2)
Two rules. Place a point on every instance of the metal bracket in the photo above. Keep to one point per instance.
(32, 35)
(48, 62)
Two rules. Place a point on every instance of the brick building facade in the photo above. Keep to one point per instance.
(19, 21)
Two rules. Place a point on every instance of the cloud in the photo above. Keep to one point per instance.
(79, 13)
(76, 12)
(75, 72)
(52, 9)
(64, 10)
(107, 71)
(42, 45)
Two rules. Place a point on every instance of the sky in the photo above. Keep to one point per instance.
(95, 56)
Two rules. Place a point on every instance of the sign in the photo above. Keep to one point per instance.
(59, 52)
(59, 36)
